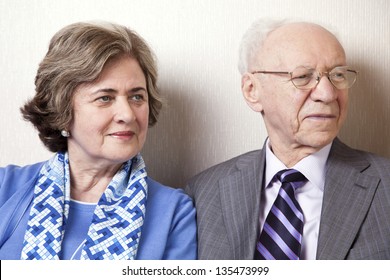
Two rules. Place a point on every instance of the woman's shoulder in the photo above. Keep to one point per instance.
(16, 172)
(13, 177)
(160, 195)
(156, 188)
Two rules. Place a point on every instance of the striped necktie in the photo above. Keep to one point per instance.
(282, 232)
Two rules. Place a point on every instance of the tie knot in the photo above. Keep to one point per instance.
(290, 175)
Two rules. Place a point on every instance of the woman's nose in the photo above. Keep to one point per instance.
(123, 111)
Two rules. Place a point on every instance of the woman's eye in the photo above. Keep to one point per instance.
(137, 97)
(105, 98)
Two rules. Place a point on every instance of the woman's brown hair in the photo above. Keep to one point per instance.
(76, 55)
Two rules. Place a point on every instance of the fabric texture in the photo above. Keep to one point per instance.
(168, 232)
(281, 237)
(118, 218)
(78, 222)
(354, 221)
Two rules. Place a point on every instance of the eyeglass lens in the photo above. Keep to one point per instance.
(306, 78)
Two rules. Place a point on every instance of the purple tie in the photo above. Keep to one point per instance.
(282, 232)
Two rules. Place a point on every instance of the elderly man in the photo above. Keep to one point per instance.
(305, 195)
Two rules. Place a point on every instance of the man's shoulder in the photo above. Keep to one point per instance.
(349, 154)
(378, 165)
(367, 162)
(214, 173)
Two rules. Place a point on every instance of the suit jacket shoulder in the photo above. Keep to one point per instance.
(213, 174)
(356, 206)
(227, 198)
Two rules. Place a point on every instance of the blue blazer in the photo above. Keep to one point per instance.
(169, 230)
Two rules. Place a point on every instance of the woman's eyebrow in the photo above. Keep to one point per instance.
(105, 90)
(113, 91)
(136, 89)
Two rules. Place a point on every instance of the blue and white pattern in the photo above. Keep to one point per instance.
(119, 216)
(117, 222)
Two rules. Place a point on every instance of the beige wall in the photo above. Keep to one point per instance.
(206, 120)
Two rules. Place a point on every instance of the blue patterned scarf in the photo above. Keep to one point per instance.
(116, 224)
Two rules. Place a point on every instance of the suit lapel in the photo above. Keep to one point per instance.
(240, 194)
(348, 194)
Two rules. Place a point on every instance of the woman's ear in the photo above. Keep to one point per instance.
(251, 91)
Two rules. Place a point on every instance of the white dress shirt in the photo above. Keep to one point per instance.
(309, 196)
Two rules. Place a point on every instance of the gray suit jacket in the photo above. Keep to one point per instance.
(355, 218)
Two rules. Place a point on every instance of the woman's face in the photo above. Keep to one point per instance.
(110, 115)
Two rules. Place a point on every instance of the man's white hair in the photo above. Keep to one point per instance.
(254, 37)
(253, 40)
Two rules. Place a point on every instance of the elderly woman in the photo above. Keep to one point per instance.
(96, 95)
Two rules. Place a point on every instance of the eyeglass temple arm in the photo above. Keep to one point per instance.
(270, 72)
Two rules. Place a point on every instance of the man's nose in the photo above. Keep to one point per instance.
(324, 90)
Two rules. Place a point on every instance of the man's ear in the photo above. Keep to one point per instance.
(251, 92)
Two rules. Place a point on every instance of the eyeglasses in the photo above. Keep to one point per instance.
(305, 78)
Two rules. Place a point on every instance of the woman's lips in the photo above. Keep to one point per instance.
(122, 134)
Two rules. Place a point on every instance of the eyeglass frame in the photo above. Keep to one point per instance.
(317, 79)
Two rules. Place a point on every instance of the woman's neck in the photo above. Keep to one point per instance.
(87, 183)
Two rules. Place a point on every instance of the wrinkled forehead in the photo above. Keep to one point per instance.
(302, 44)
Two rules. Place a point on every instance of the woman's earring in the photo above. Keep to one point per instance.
(65, 133)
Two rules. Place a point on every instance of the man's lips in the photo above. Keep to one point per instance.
(320, 116)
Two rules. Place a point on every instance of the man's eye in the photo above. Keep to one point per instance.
(338, 76)
(302, 77)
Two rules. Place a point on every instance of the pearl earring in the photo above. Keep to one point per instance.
(65, 133)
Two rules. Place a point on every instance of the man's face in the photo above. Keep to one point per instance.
(294, 117)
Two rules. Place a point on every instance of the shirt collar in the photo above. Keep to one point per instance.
(312, 166)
